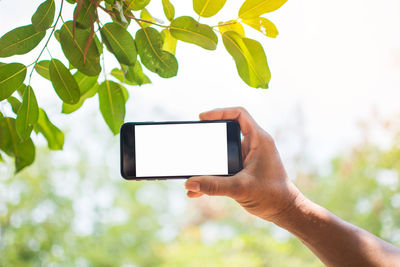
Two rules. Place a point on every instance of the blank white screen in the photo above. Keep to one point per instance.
(181, 149)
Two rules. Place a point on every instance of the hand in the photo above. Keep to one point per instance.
(262, 187)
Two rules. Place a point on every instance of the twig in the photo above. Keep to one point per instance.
(225, 24)
(147, 21)
(47, 42)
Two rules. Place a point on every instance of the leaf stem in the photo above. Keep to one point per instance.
(147, 21)
(47, 42)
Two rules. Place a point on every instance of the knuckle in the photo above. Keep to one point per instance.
(267, 138)
(211, 188)
(241, 109)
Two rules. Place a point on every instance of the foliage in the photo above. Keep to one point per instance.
(82, 40)
(45, 210)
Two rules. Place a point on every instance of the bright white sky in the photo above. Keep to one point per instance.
(333, 63)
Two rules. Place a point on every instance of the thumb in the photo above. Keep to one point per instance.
(213, 185)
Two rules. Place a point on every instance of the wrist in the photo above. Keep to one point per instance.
(291, 211)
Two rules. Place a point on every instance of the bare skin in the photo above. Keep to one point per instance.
(263, 188)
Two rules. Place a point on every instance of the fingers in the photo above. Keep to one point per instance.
(212, 185)
(247, 124)
(194, 194)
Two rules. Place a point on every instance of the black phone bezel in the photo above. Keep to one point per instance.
(127, 148)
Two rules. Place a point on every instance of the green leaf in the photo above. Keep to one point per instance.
(231, 25)
(119, 42)
(20, 41)
(131, 75)
(145, 15)
(57, 35)
(135, 74)
(86, 16)
(42, 68)
(188, 30)
(21, 89)
(255, 8)
(121, 76)
(44, 16)
(207, 8)
(85, 82)
(262, 25)
(149, 44)
(4, 133)
(125, 93)
(169, 42)
(112, 104)
(23, 151)
(15, 104)
(74, 48)
(88, 87)
(169, 9)
(53, 135)
(63, 82)
(136, 4)
(67, 108)
(250, 59)
(27, 115)
(12, 75)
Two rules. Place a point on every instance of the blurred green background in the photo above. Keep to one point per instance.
(71, 208)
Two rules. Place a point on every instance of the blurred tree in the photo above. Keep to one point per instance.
(76, 214)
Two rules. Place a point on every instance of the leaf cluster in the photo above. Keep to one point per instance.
(82, 41)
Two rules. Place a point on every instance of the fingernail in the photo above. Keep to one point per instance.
(193, 186)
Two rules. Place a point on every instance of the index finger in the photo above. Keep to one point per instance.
(247, 124)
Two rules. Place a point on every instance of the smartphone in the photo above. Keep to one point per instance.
(173, 150)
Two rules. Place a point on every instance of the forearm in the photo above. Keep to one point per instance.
(334, 241)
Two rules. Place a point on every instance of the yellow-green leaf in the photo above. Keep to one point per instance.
(44, 16)
(145, 15)
(4, 133)
(135, 74)
(169, 42)
(136, 4)
(262, 25)
(250, 59)
(149, 44)
(125, 93)
(27, 115)
(88, 88)
(63, 82)
(169, 10)
(20, 41)
(15, 104)
(231, 25)
(12, 75)
(207, 8)
(112, 104)
(42, 68)
(131, 75)
(121, 76)
(23, 151)
(53, 135)
(119, 42)
(74, 47)
(188, 30)
(255, 8)
(21, 89)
